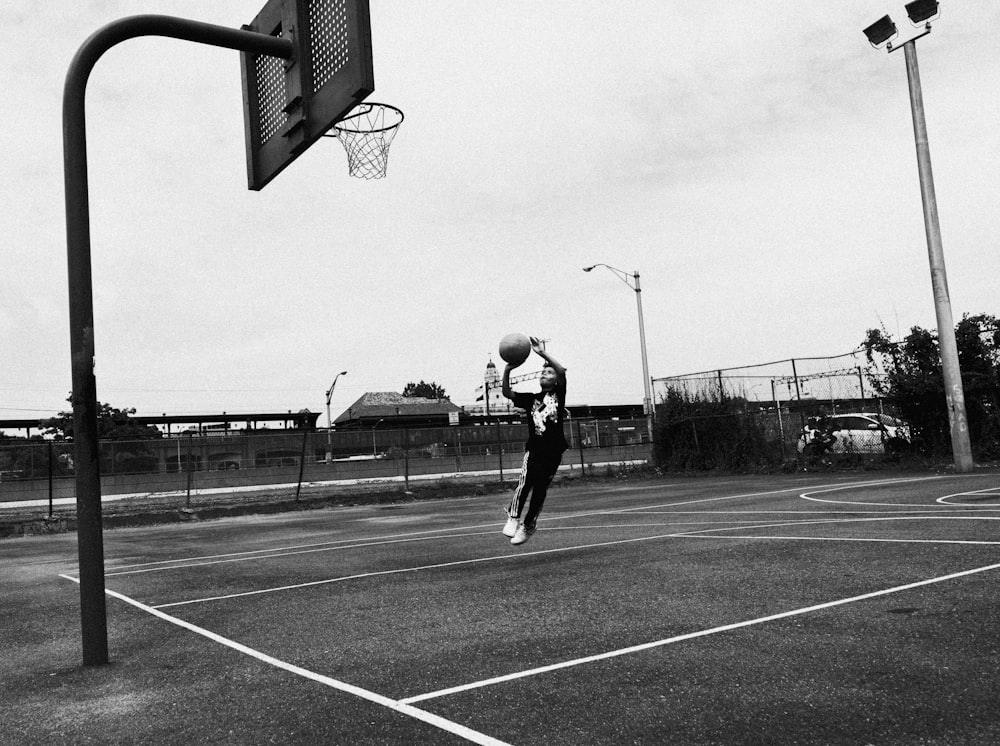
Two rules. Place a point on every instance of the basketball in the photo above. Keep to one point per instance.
(515, 348)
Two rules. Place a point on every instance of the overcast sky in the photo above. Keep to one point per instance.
(753, 161)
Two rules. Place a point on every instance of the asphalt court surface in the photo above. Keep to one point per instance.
(636, 611)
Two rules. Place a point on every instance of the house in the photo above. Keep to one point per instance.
(396, 410)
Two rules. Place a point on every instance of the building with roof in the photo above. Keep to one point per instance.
(401, 411)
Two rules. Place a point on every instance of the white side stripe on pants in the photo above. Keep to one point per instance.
(512, 509)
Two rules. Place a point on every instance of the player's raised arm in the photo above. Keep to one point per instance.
(536, 345)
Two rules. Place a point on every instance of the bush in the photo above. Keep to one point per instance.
(702, 434)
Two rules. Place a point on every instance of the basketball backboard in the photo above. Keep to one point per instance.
(289, 104)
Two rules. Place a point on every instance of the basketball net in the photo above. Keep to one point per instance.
(366, 134)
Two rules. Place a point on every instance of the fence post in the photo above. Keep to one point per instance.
(302, 461)
(406, 460)
(500, 450)
(579, 442)
(51, 466)
(798, 394)
(187, 502)
(781, 427)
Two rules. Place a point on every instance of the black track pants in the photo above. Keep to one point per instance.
(537, 471)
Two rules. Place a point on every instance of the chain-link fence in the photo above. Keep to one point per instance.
(35, 470)
(840, 383)
(756, 415)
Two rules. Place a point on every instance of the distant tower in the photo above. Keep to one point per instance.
(493, 398)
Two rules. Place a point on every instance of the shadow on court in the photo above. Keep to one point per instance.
(741, 610)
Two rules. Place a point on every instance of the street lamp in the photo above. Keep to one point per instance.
(329, 424)
(922, 11)
(632, 280)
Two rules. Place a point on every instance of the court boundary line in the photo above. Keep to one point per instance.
(848, 539)
(278, 553)
(436, 533)
(699, 533)
(825, 521)
(201, 560)
(987, 492)
(404, 708)
(404, 705)
(418, 568)
(689, 636)
(807, 495)
(389, 538)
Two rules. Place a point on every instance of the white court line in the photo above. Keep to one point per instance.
(182, 563)
(785, 524)
(815, 488)
(332, 544)
(690, 636)
(818, 491)
(501, 557)
(849, 539)
(404, 706)
(276, 552)
(434, 533)
(522, 554)
(708, 532)
(347, 543)
(418, 568)
(438, 566)
(290, 551)
(396, 705)
(987, 492)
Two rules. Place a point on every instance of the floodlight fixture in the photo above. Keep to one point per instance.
(880, 32)
(921, 11)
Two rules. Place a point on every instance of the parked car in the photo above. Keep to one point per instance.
(862, 432)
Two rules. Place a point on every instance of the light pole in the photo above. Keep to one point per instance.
(881, 33)
(374, 451)
(632, 280)
(329, 424)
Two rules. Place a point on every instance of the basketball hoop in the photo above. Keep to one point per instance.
(366, 134)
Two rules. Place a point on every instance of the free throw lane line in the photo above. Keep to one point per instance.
(401, 707)
(691, 636)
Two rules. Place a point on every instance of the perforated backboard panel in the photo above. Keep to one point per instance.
(289, 104)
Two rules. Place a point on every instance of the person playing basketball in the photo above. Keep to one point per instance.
(544, 448)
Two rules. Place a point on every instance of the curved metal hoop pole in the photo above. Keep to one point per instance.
(81, 304)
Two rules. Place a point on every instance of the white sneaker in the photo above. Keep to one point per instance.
(522, 534)
(510, 527)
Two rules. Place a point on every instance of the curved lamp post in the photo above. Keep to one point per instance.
(329, 423)
(632, 280)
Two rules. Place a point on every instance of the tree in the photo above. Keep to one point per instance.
(915, 383)
(425, 390)
(112, 424)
